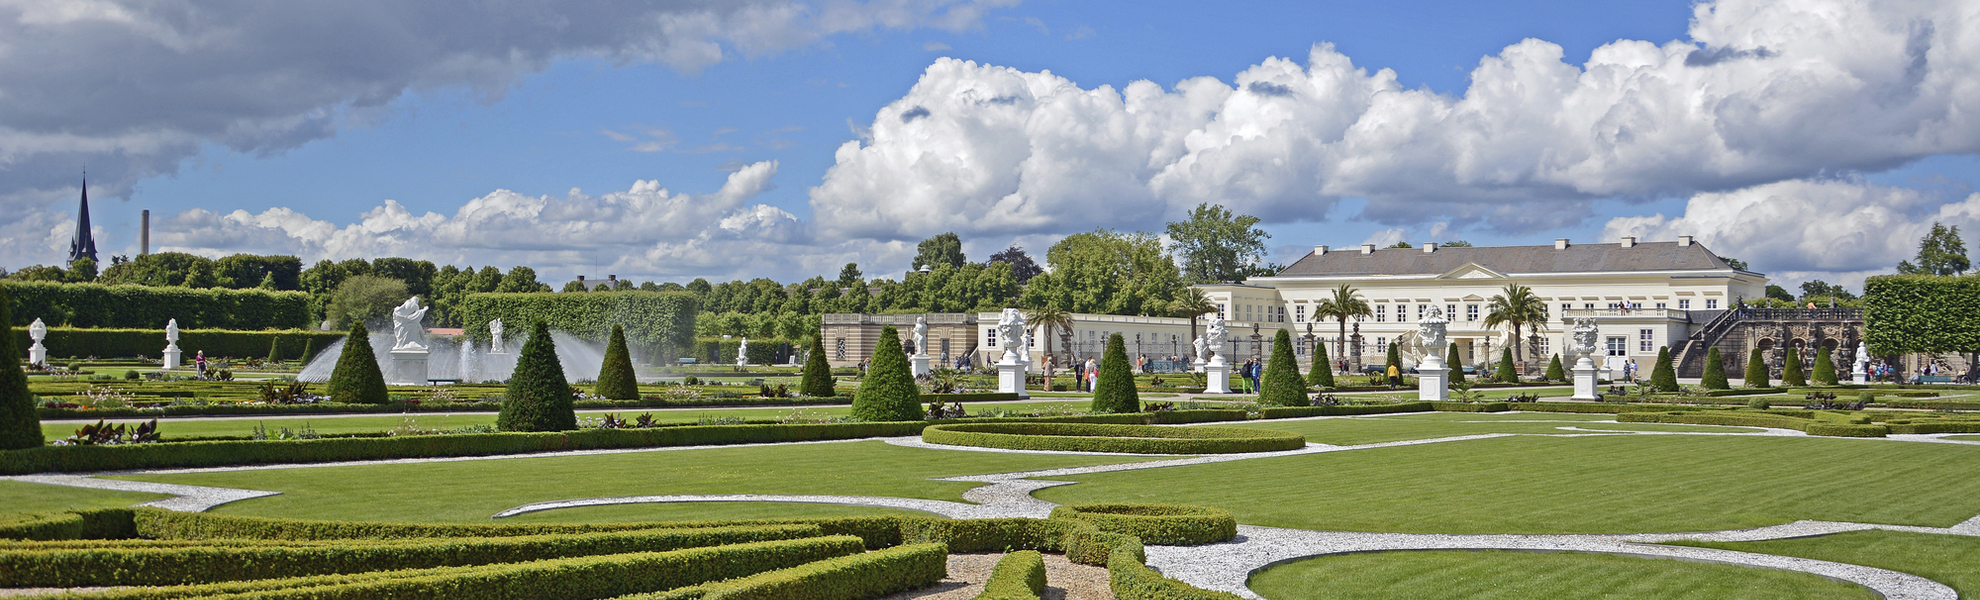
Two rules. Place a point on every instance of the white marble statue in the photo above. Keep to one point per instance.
(37, 331)
(407, 332)
(1202, 350)
(1024, 346)
(495, 343)
(921, 335)
(1216, 332)
(1009, 325)
(742, 352)
(37, 353)
(1586, 337)
(172, 332)
(1430, 331)
(1862, 359)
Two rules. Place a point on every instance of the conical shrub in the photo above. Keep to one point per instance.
(1664, 377)
(1791, 372)
(356, 379)
(1715, 371)
(1506, 374)
(1281, 385)
(1756, 370)
(1322, 373)
(817, 380)
(1393, 358)
(274, 349)
(539, 397)
(1555, 372)
(1114, 392)
(616, 380)
(1825, 367)
(309, 348)
(20, 425)
(1455, 361)
(888, 393)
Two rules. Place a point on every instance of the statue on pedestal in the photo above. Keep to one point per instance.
(1202, 350)
(742, 353)
(921, 335)
(1216, 332)
(1862, 359)
(1009, 324)
(171, 333)
(1430, 331)
(38, 354)
(1586, 338)
(495, 344)
(406, 329)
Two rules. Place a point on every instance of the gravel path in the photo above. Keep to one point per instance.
(1064, 580)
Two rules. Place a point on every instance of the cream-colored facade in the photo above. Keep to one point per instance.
(1642, 295)
(1153, 338)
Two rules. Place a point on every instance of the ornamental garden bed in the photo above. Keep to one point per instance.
(1095, 437)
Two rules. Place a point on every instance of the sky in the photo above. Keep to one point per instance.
(670, 140)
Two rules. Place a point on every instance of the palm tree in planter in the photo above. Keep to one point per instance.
(1346, 304)
(1515, 308)
(1046, 318)
(1190, 302)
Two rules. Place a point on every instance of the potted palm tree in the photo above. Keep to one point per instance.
(1346, 304)
(1515, 308)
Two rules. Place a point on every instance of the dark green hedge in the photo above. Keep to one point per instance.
(1477, 407)
(1131, 579)
(659, 321)
(1161, 524)
(65, 342)
(855, 577)
(1916, 313)
(1290, 412)
(1847, 430)
(1093, 437)
(187, 565)
(1935, 427)
(1019, 575)
(138, 306)
(1742, 419)
(762, 351)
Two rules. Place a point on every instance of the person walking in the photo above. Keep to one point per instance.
(199, 362)
(1395, 377)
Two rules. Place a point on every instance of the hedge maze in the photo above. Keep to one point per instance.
(160, 554)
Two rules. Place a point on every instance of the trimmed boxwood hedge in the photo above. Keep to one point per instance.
(1162, 524)
(1847, 430)
(1813, 423)
(30, 566)
(1289, 412)
(1093, 437)
(1019, 575)
(96, 305)
(855, 577)
(1478, 407)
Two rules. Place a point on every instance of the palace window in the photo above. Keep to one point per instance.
(1684, 304)
(1450, 312)
(1381, 345)
(1711, 304)
(1470, 312)
(1588, 306)
(990, 338)
(1565, 307)
(1421, 309)
(1646, 340)
(1381, 313)
(1618, 345)
(1660, 306)
(1220, 311)
(1299, 313)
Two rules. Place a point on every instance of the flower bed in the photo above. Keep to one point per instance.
(1091, 437)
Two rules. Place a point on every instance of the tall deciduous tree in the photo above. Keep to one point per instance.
(1941, 252)
(1022, 267)
(1215, 245)
(20, 424)
(942, 249)
(888, 392)
(1106, 272)
(365, 299)
(538, 397)
(616, 380)
(1514, 308)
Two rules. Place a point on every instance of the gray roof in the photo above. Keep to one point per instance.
(1576, 258)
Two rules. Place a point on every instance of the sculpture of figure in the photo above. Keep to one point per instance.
(1202, 350)
(406, 328)
(921, 335)
(1585, 337)
(1216, 333)
(37, 332)
(172, 332)
(1862, 358)
(742, 352)
(1024, 346)
(495, 343)
(1008, 326)
(1430, 331)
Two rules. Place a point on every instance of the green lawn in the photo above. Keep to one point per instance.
(1371, 430)
(692, 511)
(1537, 484)
(1973, 438)
(473, 490)
(21, 497)
(1509, 575)
(1947, 559)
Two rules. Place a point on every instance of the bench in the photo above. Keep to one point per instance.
(440, 381)
(1936, 379)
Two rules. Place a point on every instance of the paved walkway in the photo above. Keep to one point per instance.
(1224, 566)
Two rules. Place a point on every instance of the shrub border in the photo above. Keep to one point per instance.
(1096, 437)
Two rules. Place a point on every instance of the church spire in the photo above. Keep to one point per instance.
(84, 245)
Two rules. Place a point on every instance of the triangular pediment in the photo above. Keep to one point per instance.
(1472, 271)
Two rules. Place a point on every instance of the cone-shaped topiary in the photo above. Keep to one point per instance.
(1756, 370)
(1791, 372)
(1506, 373)
(1322, 372)
(309, 347)
(356, 379)
(1281, 385)
(1715, 371)
(1664, 377)
(20, 425)
(1393, 359)
(538, 398)
(1825, 367)
(888, 393)
(817, 380)
(1456, 362)
(274, 348)
(1555, 372)
(616, 380)
(1114, 392)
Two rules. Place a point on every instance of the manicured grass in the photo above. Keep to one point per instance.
(1372, 430)
(1972, 438)
(474, 490)
(21, 496)
(696, 511)
(1947, 559)
(1503, 574)
(1669, 427)
(1539, 484)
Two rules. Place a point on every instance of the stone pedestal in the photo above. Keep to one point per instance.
(1859, 376)
(919, 363)
(173, 356)
(38, 354)
(1432, 380)
(408, 367)
(1010, 377)
(1584, 379)
(1219, 381)
(1197, 365)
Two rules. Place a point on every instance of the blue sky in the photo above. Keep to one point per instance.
(599, 109)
